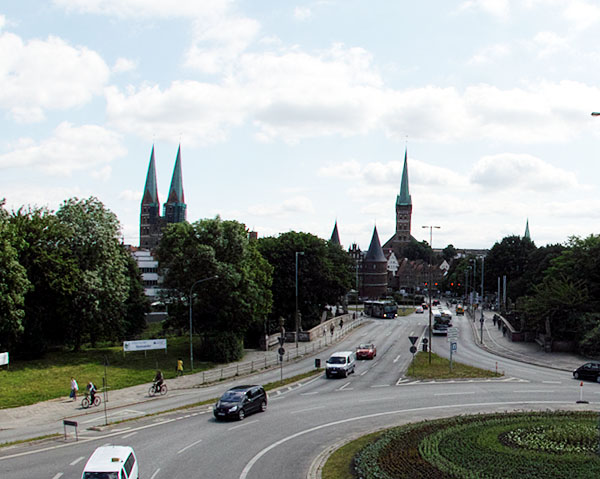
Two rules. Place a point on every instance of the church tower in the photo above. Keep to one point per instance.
(175, 206)
(335, 237)
(403, 214)
(150, 210)
(374, 270)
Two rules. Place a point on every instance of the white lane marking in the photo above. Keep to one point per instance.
(533, 391)
(309, 409)
(378, 399)
(397, 357)
(309, 394)
(455, 394)
(345, 385)
(155, 473)
(188, 446)
(552, 382)
(246, 423)
(130, 434)
(58, 475)
(260, 454)
(381, 386)
(77, 460)
(364, 372)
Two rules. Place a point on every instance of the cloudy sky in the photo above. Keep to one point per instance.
(291, 115)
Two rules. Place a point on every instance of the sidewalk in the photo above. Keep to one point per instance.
(531, 353)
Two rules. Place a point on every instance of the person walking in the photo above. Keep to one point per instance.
(74, 389)
(179, 369)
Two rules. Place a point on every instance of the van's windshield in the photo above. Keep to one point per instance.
(337, 360)
(100, 475)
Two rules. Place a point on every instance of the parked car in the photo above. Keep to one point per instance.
(419, 310)
(240, 401)
(111, 462)
(589, 370)
(366, 351)
(341, 364)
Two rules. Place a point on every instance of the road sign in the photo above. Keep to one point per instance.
(454, 329)
(481, 320)
(413, 339)
(281, 340)
(281, 351)
(453, 346)
(413, 349)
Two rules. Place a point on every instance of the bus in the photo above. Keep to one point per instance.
(381, 309)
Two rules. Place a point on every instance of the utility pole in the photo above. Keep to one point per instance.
(429, 285)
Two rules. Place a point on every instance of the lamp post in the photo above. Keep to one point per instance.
(482, 297)
(297, 318)
(191, 329)
(429, 285)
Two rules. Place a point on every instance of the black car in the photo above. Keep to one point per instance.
(240, 401)
(589, 370)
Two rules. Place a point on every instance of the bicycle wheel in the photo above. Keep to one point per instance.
(97, 401)
(151, 391)
(85, 403)
(163, 390)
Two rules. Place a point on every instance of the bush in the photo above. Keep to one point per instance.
(222, 347)
(590, 344)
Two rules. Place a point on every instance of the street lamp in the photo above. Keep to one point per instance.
(429, 285)
(297, 318)
(191, 302)
(482, 297)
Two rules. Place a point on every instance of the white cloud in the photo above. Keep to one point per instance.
(582, 14)
(496, 8)
(87, 147)
(302, 13)
(490, 54)
(295, 205)
(520, 172)
(47, 75)
(124, 65)
(130, 195)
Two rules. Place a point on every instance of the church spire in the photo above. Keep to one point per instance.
(527, 235)
(335, 237)
(175, 206)
(150, 195)
(150, 210)
(404, 197)
(375, 253)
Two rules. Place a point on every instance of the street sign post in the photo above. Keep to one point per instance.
(452, 349)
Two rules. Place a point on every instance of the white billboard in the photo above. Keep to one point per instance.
(145, 345)
(3, 359)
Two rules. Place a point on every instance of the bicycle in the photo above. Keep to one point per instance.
(86, 403)
(162, 390)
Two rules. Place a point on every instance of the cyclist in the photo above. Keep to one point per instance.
(91, 390)
(158, 380)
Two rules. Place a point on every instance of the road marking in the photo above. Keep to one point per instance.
(309, 394)
(533, 391)
(130, 434)
(77, 460)
(187, 447)
(552, 382)
(309, 409)
(58, 475)
(155, 473)
(364, 372)
(381, 386)
(397, 358)
(344, 386)
(454, 394)
(246, 423)
(378, 399)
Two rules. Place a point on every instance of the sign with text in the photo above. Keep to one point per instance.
(3, 359)
(145, 345)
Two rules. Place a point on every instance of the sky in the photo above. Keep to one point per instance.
(294, 115)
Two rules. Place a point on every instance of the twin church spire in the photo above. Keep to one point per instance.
(151, 222)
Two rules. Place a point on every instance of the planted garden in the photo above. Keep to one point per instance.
(503, 445)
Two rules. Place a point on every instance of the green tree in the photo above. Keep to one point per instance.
(325, 273)
(13, 285)
(449, 253)
(238, 300)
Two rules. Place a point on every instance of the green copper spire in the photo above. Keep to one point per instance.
(335, 237)
(527, 235)
(404, 197)
(150, 195)
(176, 190)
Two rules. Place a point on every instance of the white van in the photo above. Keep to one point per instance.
(340, 364)
(111, 462)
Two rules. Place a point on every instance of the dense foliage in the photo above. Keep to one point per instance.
(325, 274)
(505, 445)
(70, 281)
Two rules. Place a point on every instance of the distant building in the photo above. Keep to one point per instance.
(374, 270)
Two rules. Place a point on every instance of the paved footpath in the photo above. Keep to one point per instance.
(42, 418)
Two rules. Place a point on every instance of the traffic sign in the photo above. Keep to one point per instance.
(281, 340)
(453, 346)
(413, 349)
(281, 351)
(413, 339)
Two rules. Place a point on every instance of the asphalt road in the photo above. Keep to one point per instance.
(304, 420)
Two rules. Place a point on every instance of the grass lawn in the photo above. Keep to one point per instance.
(29, 382)
(340, 464)
(440, 369)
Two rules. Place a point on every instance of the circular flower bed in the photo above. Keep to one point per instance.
(507, 445)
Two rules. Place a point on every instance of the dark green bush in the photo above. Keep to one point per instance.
(221, 347)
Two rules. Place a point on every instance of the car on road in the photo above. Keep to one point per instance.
(366, 351)
(239, 401)
(111, 462)
(341, 364)
(440, 328)
(419, 310)
(460, 311)
(589, 370)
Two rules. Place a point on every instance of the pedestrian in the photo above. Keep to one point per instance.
(179, 369)
(74, 389)
(332, 328)
(341, 323)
